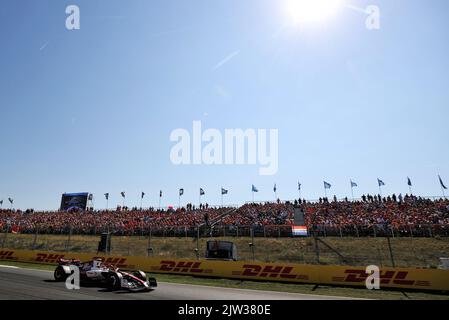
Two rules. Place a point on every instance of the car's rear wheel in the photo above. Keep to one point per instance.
(60, 274)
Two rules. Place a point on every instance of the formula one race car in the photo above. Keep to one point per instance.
(97, 272)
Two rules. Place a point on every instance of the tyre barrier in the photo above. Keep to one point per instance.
(397, 278)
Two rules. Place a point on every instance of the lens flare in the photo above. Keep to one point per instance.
(312, 11)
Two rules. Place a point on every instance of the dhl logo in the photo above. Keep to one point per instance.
(48, 257)
(386, 277)
(7, 255)
(254, 270)
(118, 262)
(181, 266)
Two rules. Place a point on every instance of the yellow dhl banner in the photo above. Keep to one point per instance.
(406, 278)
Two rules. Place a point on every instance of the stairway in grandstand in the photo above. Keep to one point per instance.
(219, 218)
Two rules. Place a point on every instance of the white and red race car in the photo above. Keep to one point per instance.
(97, 272)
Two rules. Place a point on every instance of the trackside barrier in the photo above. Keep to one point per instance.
(405, 278)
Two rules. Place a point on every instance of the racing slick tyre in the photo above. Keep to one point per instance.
(141, 275)
(60, 274)
(114, 281)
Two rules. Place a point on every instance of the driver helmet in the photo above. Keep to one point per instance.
(97, 263)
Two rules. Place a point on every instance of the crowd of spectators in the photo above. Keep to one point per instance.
(375, 210)
(120, 220)
(368, 211)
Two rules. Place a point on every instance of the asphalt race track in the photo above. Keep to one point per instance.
(18, 284)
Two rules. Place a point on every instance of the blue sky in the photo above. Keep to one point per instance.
(92, 109)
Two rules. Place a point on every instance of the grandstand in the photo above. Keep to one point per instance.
(370, 216)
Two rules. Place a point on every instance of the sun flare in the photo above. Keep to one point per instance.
(312, 11)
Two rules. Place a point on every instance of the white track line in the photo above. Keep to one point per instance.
(12, 267)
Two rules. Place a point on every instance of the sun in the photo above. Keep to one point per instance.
(312, 11)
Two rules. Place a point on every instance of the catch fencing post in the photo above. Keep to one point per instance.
(317, 248)
(391, 252)
(35, 238)
(252, 242)
(5, 235)
(67, 247)
(380, 256)
(197, 249)
(149, 249)
(47, 244)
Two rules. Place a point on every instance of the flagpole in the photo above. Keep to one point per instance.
(325, 192)
(253, 195)
(410, 189)
(160, 201)
(442, 186)
(352, 192)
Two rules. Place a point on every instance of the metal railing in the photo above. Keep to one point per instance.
(267, 231)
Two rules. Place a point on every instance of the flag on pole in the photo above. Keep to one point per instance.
(202, 193)
(181, 192)
(327, 185)
(353, 184)
(409, 182)
(1, 202)
(274, 188)
(90, 197)
(299, 186)
(11, 200)
(106, 195)
(160, 194)
(380, 182)
(123, 194)
(224, 191)
(143, 195)
(441, 183)
(254, 189)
